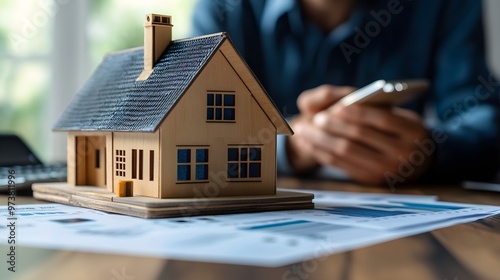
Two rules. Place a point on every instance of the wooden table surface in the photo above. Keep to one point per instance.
(468, 251)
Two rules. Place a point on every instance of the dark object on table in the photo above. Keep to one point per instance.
(17, 157)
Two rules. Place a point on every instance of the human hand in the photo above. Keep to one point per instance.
(366, 142)
(310, 102)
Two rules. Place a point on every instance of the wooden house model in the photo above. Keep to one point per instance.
(177, 119)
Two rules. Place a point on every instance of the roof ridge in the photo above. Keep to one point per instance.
(223, 34)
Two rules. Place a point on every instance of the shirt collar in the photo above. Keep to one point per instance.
(347, 28)
(275, 9)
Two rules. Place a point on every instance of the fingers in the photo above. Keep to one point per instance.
(355, 172)
(395, 121)
(361, 164)
(341, 149)
(317, 99)
(300, 151)
(366, 142)
(363, 134)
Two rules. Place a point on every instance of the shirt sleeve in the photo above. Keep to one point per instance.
(466, 98)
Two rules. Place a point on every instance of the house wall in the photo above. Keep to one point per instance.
(186, 125)
(138, 141)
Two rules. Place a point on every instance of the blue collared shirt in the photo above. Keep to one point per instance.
(383, 39)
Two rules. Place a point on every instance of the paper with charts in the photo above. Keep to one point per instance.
(341, 221)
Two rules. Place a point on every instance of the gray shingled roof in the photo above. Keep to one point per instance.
(111, 100)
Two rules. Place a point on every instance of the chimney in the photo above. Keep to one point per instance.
(157, 37)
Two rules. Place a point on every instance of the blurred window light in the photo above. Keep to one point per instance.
(34, 56)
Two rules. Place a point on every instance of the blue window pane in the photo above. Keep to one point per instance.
(255, 154)
(232, 170)
(210, 99)
(183, 156)
(201, 172)
(232, 154)
(218, 114)
(254, 170)
(218, 99)
(229, 114)
(201, 155)
(243, 170)
(210, 114)
(244, 153)
(229, 100)
(183, 172)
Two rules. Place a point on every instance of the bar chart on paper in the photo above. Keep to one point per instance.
(391, 215)
(301, 228)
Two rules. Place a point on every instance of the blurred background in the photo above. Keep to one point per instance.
(48, 48)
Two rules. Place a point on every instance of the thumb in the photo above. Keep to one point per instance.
(318, 99)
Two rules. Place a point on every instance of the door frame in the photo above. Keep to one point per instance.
(86, 147)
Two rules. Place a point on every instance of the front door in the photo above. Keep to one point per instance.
(91, 162)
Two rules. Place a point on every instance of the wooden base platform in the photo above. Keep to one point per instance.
(146, 207)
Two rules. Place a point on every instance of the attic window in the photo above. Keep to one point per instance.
(221, 107)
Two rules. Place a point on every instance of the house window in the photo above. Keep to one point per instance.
(151, 165)
(244, 162)
(192, 164)
(183, 164)
(120, 163)
(137, 163)
(221, 107)
(134, 164)
(141, 163)
(97, 158)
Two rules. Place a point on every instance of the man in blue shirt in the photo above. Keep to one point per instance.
(310, 53)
